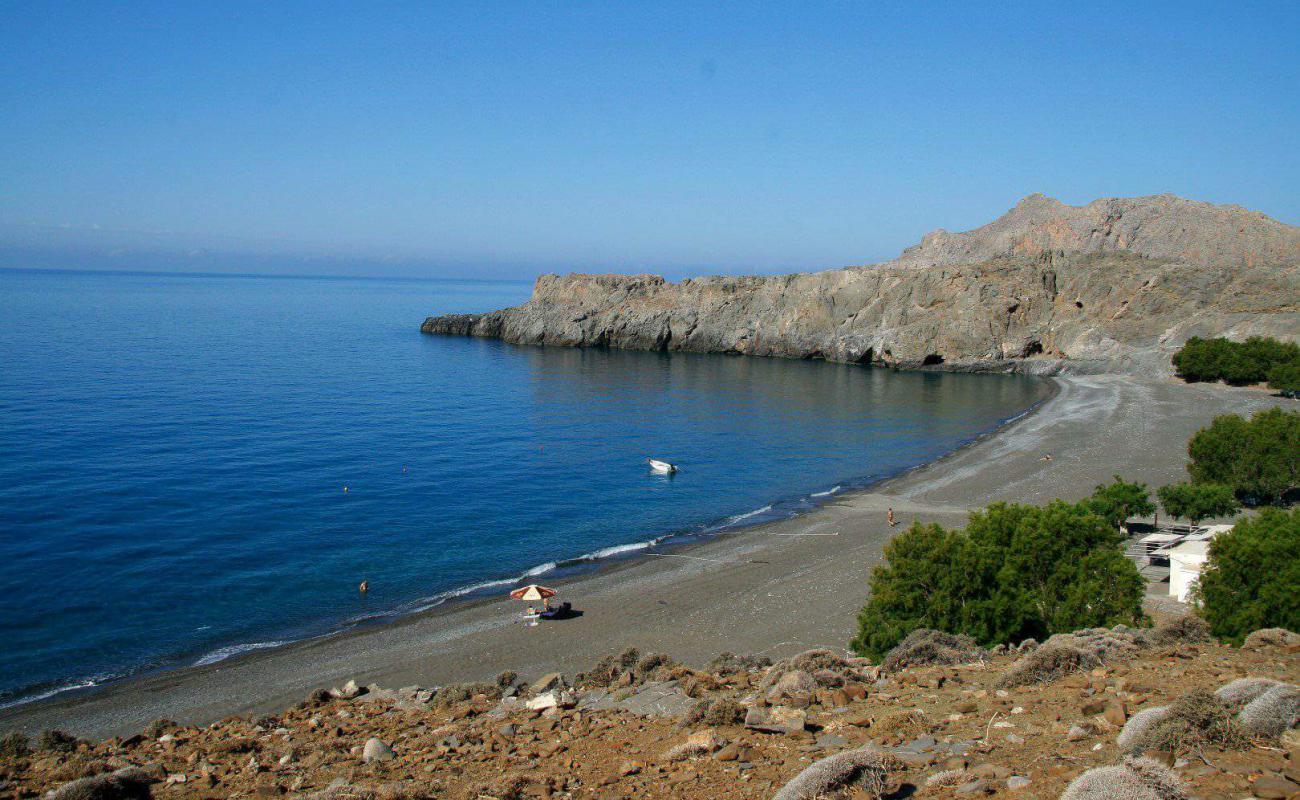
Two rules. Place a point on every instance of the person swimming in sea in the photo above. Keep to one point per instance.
(364, 587)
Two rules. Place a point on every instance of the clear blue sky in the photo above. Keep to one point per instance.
(502, 139)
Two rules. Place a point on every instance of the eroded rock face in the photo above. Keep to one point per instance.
(1116, 285)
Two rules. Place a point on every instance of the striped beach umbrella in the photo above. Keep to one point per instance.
(533, 592)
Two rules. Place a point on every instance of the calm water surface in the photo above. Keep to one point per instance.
(174, 452)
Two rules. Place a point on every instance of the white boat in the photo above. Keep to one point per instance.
(661, 466)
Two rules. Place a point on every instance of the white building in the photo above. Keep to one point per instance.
(1186, 560)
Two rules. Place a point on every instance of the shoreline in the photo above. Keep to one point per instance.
(572, 569)
(735, 590)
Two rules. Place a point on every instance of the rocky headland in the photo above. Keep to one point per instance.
(1116, 285)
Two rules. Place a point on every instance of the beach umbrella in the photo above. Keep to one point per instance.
(533, 592)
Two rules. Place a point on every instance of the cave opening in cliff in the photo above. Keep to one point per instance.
(868, 357)
(1033, 348)
(931, 360)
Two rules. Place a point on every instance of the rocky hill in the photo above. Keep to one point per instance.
(1116, 285)
(938, 717)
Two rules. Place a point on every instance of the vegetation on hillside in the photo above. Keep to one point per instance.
(1252, 578)
(1255, 360)
(1197, 501)
(1259, 458)
(1119, 500)
(1015, 572)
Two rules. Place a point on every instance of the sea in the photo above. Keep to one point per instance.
(198, 466)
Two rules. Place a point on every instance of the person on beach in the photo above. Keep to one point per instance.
(891, 518)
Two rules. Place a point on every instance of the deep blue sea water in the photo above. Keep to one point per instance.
(174, 451)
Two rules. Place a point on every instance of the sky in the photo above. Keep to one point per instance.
(502, 139)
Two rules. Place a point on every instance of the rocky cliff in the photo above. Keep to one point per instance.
(1115, 285)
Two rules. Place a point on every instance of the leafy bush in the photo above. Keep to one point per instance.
(1251, 574)
(1240, 363)
(1197, 501)
(1259, 458)
(1015, 572)
(1285, 377)
(1116, 502)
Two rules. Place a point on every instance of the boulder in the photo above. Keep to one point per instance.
(377, 750)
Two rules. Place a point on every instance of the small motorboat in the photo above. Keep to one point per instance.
(662, 467)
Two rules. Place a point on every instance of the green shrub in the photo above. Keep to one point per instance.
(1197, 501)
(1285, 377)
(1250, 577)
(1240, 363)
(1015, 572)
(1259, 458)
(1117, 501)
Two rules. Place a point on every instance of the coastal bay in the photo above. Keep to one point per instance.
(775, 588)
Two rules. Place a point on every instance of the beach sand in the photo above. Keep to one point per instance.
(775, 588)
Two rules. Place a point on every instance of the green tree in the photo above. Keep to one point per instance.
(1117, 501)
(1259, 458)
(1197, 501)
(1285, 377)
(1251, 361)
(1014, 572)
(1251, 576)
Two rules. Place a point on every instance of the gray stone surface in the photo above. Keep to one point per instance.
(1113, 286)
(655, 699)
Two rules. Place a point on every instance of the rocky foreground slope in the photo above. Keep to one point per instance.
(1157, 714)
(1116, 285)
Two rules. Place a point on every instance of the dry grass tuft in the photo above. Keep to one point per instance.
(1273, 713)
(1196, 720)
(926, 647)
(1241, 691)
(834, 669)
(131, 783)
(1139, 726)
(1187, 629)
(901, 726)
(866, 770)
(56, 741)
(14, 745)
(727, 664)
(945, 779)
(1135, 779)
(648, 666)
(715, 711)
(454, 693)
(1270, 637)
(1051, 661)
